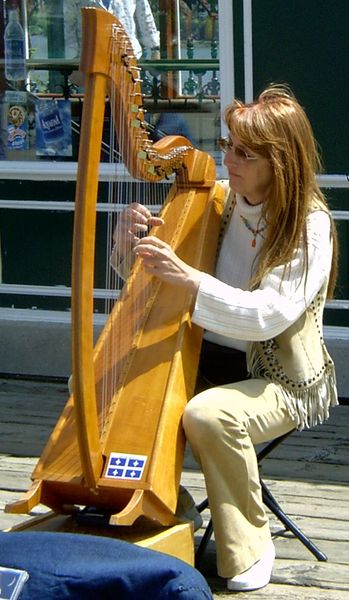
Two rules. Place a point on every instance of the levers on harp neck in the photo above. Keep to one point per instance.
(131, 69)
(121, 37)
(126, 59)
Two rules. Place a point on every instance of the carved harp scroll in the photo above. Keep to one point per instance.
(159, 355)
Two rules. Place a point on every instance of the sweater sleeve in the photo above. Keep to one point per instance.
(278, 302)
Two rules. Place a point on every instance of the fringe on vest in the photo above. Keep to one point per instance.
(308, 405)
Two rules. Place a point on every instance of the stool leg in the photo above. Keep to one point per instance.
(273, 505)
(203, 543)
(204, 504)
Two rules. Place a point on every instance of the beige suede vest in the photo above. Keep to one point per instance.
(297, 360)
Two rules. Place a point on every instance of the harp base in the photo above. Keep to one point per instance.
(142, 503)
(177, 540)
(28, 501)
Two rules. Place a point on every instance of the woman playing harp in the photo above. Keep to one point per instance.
(264, 358)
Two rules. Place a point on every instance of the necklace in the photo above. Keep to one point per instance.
(254, 232)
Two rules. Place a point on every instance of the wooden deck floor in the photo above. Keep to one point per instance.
(309, 475)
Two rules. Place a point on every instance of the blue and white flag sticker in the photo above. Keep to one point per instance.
(125, 466)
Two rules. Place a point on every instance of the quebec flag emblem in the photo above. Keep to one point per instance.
(125, 466)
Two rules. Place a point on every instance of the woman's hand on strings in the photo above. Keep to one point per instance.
(161, 261)
(135, 219)
(158, 257)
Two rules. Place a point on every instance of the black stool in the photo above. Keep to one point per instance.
(273, 506)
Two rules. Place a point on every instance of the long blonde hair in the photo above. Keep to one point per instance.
(275, 126)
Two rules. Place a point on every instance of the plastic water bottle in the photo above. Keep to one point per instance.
(15, 69)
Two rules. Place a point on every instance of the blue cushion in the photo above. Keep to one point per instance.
(73, 566)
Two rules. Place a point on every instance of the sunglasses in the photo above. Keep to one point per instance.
(226, 144)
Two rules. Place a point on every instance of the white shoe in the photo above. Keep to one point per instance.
(256, 576)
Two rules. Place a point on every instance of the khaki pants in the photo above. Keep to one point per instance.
(222, 425)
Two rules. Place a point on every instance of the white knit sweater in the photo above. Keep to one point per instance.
(232, 315)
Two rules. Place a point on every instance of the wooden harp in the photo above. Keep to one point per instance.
(122, 451)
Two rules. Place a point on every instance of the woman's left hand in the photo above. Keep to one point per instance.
(161, 261)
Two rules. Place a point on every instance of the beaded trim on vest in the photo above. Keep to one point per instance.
(311, 389)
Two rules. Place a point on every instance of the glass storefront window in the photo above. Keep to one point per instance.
(172, 31)
(40, 121)
(40, 109)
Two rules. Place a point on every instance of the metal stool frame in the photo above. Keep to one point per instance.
(271, 504)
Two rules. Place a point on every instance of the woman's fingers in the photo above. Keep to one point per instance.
(155, 221)
(159, 259)
(142, 214)
(151, 245)
(137, 218)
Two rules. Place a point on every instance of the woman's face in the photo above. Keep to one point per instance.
(250, 175)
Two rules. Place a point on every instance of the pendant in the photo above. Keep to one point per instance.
(254, 232)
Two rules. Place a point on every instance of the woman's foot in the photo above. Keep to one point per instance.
(256, 576)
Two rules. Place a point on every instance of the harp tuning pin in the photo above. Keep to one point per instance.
(168, 173)
(135, 123)
(126, 60)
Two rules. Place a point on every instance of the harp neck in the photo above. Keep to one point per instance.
(107, 52)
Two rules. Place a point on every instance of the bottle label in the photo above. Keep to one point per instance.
(14, 60)
(14, 51)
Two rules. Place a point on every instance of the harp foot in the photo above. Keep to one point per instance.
(27, 502)
(143, 505)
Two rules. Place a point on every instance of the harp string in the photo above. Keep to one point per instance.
(115, 197)
(124, 96)
(121, 191)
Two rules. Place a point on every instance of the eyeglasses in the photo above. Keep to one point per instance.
(226, 144)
